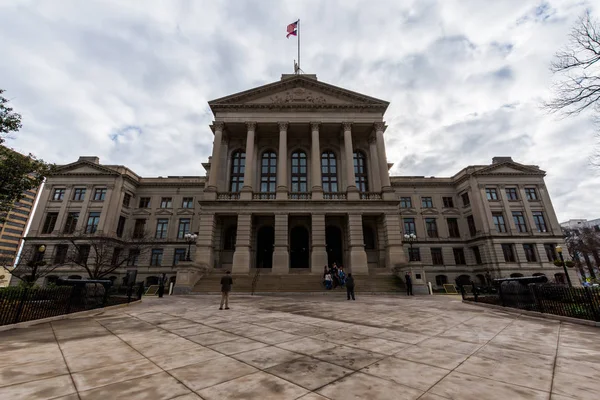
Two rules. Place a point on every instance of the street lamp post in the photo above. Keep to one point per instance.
(190, 239)
(410, 238)
(562, 261)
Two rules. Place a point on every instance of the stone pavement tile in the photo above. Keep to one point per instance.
(402, 336)
(579, 336)
(379, 345)
(11, 374)
(275, 337)
(348, 357)
(212, 338)
(157, 348)
(46, 351)
(73, 396)
(189, 396)
(407, 373)
(576, 385)
(310, 331)
(503, 355)
(435, 357)
(179, 359)
(93, 378)
(176, 324)
(454, 346)
(258, 386)
(554, 396)
(470, 335)
(309, 372)
(585, 362)
(516, 373)
(81, 362)
(205, 374)
(360, 386)
(249, 330)
(306, 346)
(313, 396)
(431, 396)
(237, 346)
(468, 387)
(192, 330)
(340, 337)
(267, 357)
(524, 345)
(159, 386)
(365, 330)
(38, 390)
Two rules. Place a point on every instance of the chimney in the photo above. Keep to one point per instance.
(92, 159)
(500, 160)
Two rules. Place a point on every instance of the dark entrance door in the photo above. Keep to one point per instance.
(299, 247)
(335, 252)
(265, 239)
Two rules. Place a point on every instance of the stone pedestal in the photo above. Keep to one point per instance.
(388, 194)
(241, 260)
(318, 255)
(358, 261)
(246, 193)
(281, 256)
(188, 274)
(419, 279)
(352, 193)
(282, 193)
(317, 193)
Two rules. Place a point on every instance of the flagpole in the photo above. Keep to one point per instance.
(298, 72)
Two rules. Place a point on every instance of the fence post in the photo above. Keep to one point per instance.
(21, 304)
(534, 290)
(501, 295)
(71, 295)
(595, 308)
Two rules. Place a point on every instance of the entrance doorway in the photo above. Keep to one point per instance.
(265, 239)
(299, 245)
(335, 251)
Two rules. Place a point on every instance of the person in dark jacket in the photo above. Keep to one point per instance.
(226, 282)
(408, 280)
(350, 286)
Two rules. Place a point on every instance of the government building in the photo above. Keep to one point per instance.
(299, 179)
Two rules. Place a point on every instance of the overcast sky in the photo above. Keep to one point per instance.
(128, 81)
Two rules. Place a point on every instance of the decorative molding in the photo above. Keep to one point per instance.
(379, 126)
(218, 126)
(251, 126)
(283, 125)
(314, 126)
(164, 211)
(298, 95)
(372, 139)
(347, 126)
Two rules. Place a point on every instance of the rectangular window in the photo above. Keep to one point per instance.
(436, 256)
(499, 222)
(78, 194)
(144, 202)
(531, 194)
(453, 228)
(9, 237)
(550, 251)
(471, 224)
(71, 223)
(83, 252)
(459, 256)
(529, 252)
(187, 202)
(465, 199)
(426, 202)
(22, 212)
(58, 194)
(50, 222)
(477, 254)
(405, 202)
(179, 255)
(511, 194)
(133, 257)
(121, 226)
(29, 193)
(116, 257)
(414, 254)
(509, 254)
(448, 202)
(162, 225)
(184, 227)
(60, 253)
(15, 231)
(18, 218)
(14, 246)
(431, 226)
(491, 194)
(126, 199)
(519, 221)
(100, 194)
(17, 224)
(540, 222)
(19, 204)
(166, 202)
(409, 226)
(156, 257)
(139, 229)
(92, 222)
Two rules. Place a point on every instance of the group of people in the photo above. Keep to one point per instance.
(335, 276)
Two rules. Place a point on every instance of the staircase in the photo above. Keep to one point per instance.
(296, 283)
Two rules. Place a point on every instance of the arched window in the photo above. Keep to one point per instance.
(360, 171)
(299, 172)
(229, 238)
(329, 172)
(268, 172)
(238, 165)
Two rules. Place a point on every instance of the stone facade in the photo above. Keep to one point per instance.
(298, 179)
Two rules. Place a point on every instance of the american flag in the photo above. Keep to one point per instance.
(292, 29)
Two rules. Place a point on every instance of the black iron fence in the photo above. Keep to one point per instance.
(27, 304)
(548, 298)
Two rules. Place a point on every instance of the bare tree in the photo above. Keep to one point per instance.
(100, 254)
(33, 264)
(584, 246)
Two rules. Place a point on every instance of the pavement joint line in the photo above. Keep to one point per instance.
(65, 361)
(555, 359)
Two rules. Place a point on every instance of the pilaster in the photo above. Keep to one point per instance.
(381, 155)
(352, 191)
(358, 256)
(552, 221)
(211, 188)
(62, 213)
(282, 163)
(82, 221)
(315, 158)
(509, 221)
(281, 256)
(241, 256)
(394, 251)
(247, 189)
(488, 222)
(204, 254)
(106, 211)
(527, 207)
(375, 174)
(39, 215)
(318, 255)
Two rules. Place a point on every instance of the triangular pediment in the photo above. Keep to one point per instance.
(298, 91)
(164, 211)
(429, 211)
(185, 211)
(141, 212)
(84, 168)
(510, 168)
(451, 211)
(408, 211)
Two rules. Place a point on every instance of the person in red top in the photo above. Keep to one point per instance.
(226, 283)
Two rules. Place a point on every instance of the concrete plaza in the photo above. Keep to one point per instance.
(310, 348)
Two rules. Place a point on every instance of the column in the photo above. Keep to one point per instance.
(282, 163)
(488, 222)
(394, 251)
(82, 221)
(375, 175)
(247, 189)
(37, 219)
(358, 256)
(508, 218)
(107, 207)
(386, 185)
(528, 214)
(318, 254)
(241, 256)
(315, 158)
(217, 128)
(352, 191)
(204, 254)
(281, 255)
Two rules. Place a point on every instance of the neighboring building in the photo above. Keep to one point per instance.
(581, 223)
(299, 179)
(583, 242)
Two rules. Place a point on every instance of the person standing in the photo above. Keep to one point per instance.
(226, 283)
(408, 280)
(161, 285)
(350, 286)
